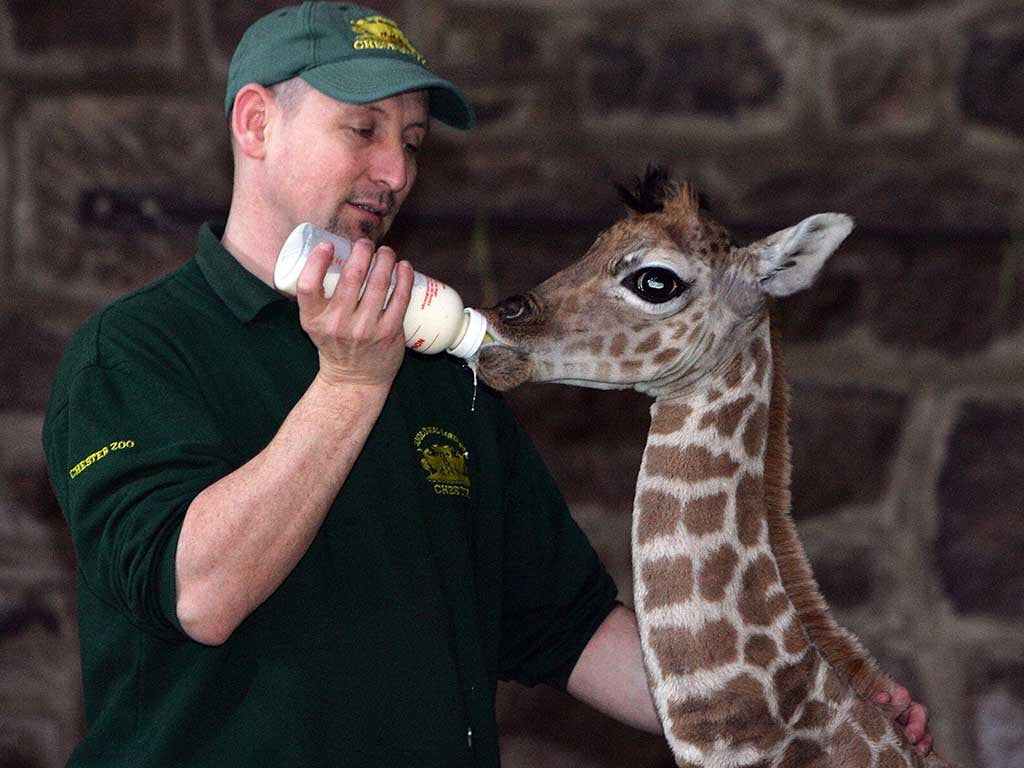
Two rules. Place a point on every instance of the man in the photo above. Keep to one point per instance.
(269, 574)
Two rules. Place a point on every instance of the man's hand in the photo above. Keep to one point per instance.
(914, 717)
(359, 340)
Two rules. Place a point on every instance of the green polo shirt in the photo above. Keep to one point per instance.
(447, 562)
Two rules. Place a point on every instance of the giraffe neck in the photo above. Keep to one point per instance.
(711, 608)
(733, 676)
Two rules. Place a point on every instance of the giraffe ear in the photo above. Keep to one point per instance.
(789, 260)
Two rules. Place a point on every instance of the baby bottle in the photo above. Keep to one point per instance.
(435, 320)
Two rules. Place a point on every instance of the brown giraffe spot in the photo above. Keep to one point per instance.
(680, 330)
(618, 345)
(631, 366)
(760, 650)
(649, 344)
(666, 356)
(734, 372)
(698, 316)
(593, 345)
(756, 431)
(668, 580)
(750, 509)
(816, 715)
(726, 418)
(689, 465)
(659, 515)
(804, 753)
(706, 514)
(794, 639)
(681, 651)
(738, 714)
(713, 394)
(835, 689)
(793, 684)
(870, 719)
(754, 604)
(571, 305)
(717, 571)
(698, 329)
(890, 758)
(759, 352)
(669, 419)
(849, 749)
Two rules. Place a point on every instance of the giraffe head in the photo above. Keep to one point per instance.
(661, 299)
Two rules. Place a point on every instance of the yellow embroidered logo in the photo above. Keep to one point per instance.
(379, 33)
(445, 460)
(102, 453)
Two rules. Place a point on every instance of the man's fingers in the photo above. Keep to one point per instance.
(309, 287)
(917, 722)
(399, 300)
(924, 746)
(378, 280)
(353, 274)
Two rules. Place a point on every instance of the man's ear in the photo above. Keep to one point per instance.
(249, 119)
(789, 260)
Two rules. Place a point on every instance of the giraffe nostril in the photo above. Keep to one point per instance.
(515, 310)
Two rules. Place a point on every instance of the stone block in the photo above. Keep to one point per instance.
(496, 42)
(845, 576)
(998, 698)
(40, 675)
(952, 295)
(29, 358)
(884, 86)
(924, 186)
(612, 70)
(50, 37)
(980, 488)
(720, 73)
(890, 6)
(30, 743)
(717, 71)
(991, 86)
(111, 190)
(844, 439)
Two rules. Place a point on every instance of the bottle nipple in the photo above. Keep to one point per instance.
(471, 334)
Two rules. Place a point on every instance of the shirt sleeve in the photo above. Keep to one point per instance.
(128, 453)
(556, 591)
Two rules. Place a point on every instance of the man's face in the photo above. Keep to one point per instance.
(345, 167)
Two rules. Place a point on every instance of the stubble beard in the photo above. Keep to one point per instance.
(365, 228)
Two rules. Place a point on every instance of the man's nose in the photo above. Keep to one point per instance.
(390, 165)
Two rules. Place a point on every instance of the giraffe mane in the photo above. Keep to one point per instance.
(843, 651)
(656, 192)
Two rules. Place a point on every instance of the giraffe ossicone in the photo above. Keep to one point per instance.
(746, 665)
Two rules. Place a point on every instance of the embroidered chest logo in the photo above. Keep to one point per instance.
(379, 33)
(445, 460)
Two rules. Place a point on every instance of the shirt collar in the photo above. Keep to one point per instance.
(244, 293)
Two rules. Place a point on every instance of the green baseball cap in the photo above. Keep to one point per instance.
(349, 52)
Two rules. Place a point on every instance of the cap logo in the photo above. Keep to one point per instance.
(378, 33)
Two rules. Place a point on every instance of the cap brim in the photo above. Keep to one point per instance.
(362, 80)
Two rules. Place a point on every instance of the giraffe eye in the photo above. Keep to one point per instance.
(655, 284)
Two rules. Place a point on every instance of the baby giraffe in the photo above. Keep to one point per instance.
(745, 664)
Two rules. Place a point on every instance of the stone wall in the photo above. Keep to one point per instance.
(906, 359)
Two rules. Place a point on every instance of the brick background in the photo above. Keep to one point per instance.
(907, 358)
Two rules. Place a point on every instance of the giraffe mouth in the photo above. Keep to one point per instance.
(503, 368)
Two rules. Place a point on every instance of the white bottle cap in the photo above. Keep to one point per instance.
(475, 328)
(290, 260)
